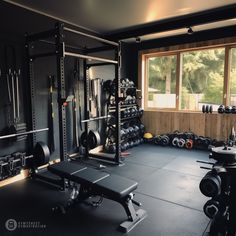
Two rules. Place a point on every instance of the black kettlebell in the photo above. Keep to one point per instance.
(233, 110)
(227, 109)
(221, 109)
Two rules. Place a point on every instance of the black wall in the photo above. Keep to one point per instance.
(17, 22)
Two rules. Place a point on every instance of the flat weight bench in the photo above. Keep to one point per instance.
(98, 183)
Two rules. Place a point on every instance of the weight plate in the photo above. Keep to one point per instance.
(203, 108)
(41, 154)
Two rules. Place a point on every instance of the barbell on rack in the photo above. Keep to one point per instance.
(23, 133)
(96, 118)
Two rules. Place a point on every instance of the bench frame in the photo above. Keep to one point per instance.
(85, 191)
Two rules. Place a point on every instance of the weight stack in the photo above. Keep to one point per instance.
(18, 129)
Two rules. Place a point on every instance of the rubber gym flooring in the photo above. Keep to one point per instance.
(168, 190)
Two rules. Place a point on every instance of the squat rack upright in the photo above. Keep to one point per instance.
(62, 51)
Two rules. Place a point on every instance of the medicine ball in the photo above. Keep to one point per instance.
(148, 136)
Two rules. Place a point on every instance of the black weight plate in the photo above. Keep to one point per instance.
(41, 154)
(207, 109)
(94, 139)
(211, 109)
(203, 108)
(83, 139)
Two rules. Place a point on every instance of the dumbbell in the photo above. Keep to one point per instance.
(123, 146)
(164, 140)
(210, 185)
(131, 132)
(207, 141)
(123, 133)
(189, 144)
(221, 109)
(175, 141)
(157, 139)
(131, 144)
(181, 143)
(131, 83)
(128, 114)
(211, 208)
(136, 130)
(140, 112)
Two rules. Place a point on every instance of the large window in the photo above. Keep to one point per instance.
(186, 80)
(162, 82)
(202, 78)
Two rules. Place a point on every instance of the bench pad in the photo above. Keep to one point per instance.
(88, 176)
(65, 169)
(116, 186)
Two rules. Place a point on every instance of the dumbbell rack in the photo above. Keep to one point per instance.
(130, 118)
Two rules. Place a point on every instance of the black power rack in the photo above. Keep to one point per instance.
(61, 51)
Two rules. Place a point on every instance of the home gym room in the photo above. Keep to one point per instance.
(118, 117)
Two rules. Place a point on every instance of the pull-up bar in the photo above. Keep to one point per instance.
(90, 57)
(91, 36)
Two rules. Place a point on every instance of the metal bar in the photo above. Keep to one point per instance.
(206, 162)
(91, 36)
(117, 105)
(41, 35)
(61, 95)
(17, 74)
(95, 118)
(24, 133)
(34, 56)
(86, 103)
(90, 57)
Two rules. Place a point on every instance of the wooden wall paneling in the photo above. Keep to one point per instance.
(176, 118)
(208, 124)
(167, 125)
(224, 126)
(215, 122)
(197, 123)
(184, 122)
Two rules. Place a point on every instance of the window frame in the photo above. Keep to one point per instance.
(143, 69)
